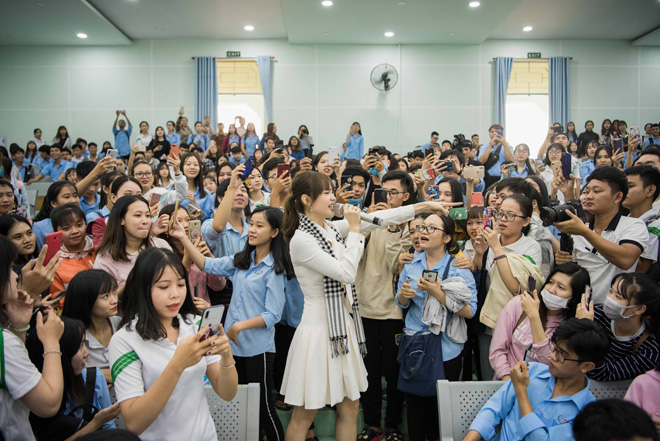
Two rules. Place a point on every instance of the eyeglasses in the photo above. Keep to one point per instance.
(394, 193)
(509, 217)
(561, 355)
(430, 229)
(143, 174)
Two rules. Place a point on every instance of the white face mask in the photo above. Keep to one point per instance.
(553, 302)
(614, 311)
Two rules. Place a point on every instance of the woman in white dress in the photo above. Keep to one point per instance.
(325, 364)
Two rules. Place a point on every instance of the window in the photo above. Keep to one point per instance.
(240, 94)
(527, 104)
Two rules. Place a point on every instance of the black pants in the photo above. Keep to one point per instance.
(283, 337)
(382, 350)
(423, 420)
(259, 369)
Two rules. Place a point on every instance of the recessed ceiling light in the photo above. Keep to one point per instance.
(401, 3)
(327, 3)
(326, 34)
(452, 34)
(249, 28)
(40, 4)
(474, 4)
(389, 34)
(81, 35)
(527, 28)
(159, 28)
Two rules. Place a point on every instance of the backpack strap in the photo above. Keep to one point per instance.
(446, 273)
(641, 340)
(90, 386)
(522, 318)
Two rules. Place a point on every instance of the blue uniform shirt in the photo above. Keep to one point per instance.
(552, 418)
(250, 144)
(227, 243)
(205, 201)
(203, 140)
(586, 168)
(101, 398)
(93, 215)
(496, 170)
(258, 292)
(87, 208)
(413, 272)
(42, 229)
(123, 140)
(55, 171)
(355, 147)
(174, 139)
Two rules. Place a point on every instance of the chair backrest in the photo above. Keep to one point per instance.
(32, 200)
(236, 420)
(460, 401)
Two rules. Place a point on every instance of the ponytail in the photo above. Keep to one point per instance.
(309, 183)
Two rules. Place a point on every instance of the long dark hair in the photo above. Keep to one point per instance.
(526, 207)
(554, 145)
(149, 267)
(603, 131)
(8, 255)
(607, 149)
(169, 210)
(279, 250)
(51, 196)
(545, 198)
(70, 341)
(60, 139)
(452, 246)
(571, 132)
(106, 181)
(269, 129)
(83, 291)
(309, 183)
(199, 179)
(531, 171)
(114, 239)
(7, 222)
(579, 281)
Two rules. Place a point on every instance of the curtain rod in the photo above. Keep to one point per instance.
(237, 58)
(530, 59)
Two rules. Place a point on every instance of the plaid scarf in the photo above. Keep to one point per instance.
(334, 292)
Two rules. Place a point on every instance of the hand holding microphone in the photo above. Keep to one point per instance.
(339, 209)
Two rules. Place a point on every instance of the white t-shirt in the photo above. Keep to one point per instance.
(525, 246)
(144, 139)
(20, 376)
(137, 364)
(621, 230)
(98, 354)
(652, 220)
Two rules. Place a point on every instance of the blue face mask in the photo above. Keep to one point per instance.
(355, 202)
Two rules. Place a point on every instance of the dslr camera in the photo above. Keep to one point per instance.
(552, 215)
(460, 142)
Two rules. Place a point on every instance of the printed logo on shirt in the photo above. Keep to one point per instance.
(258, 273)
(563, 420)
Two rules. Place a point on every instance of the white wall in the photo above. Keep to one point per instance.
(443, 88)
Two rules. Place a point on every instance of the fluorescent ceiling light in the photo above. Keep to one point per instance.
(474, 4)
(249, 28)
(389, 34)
(327, 3)
(527, 28)
(81, 35)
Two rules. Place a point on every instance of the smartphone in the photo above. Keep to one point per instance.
(538, 162)
(588, 292)
(279, 145)
(474, 172)
(617, 145)
(531, 284)
(174, 150)
(426, 175)
(433, 192)
(634, 131)
(375, 153)
(500, 133)
(195, 230)
(347, 180)
(555, 166)
(487, 218)
(310, 153)
(566, 164)
(430, 276)
(447, 166)
(558, 129)
(333, 153)
(54, 242)
(509, 167)
(154, 199)
(56, 296)
(113, 153)
(477, 199)
(211, 316)
(458, 213)
(527, 352)
(142, 148)
(411, 250)
(250, 164)
(282, 169)
(380, 195)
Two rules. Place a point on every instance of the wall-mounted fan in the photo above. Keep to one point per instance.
(384, 77)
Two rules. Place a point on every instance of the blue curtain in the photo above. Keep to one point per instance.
(264, 64)
(503, 67)
(206, 90)
(559, 78)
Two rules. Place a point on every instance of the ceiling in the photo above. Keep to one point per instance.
(119, 22)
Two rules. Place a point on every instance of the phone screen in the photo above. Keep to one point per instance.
(380, 195)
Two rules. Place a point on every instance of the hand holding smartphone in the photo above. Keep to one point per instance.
(211, 319)
(430, 276)
(54, 242)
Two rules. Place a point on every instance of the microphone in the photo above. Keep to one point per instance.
(339, 209)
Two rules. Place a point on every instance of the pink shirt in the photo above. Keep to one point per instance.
(510, 343)
(119, 269)
(199, 277)
(644, 392)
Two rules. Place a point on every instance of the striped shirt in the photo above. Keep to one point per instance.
(620, 362)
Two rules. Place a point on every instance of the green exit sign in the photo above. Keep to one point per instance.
(238, 54)
(529, 55)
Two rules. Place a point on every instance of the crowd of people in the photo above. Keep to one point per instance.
(329, 271)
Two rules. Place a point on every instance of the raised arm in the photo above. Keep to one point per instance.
(221, 216)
